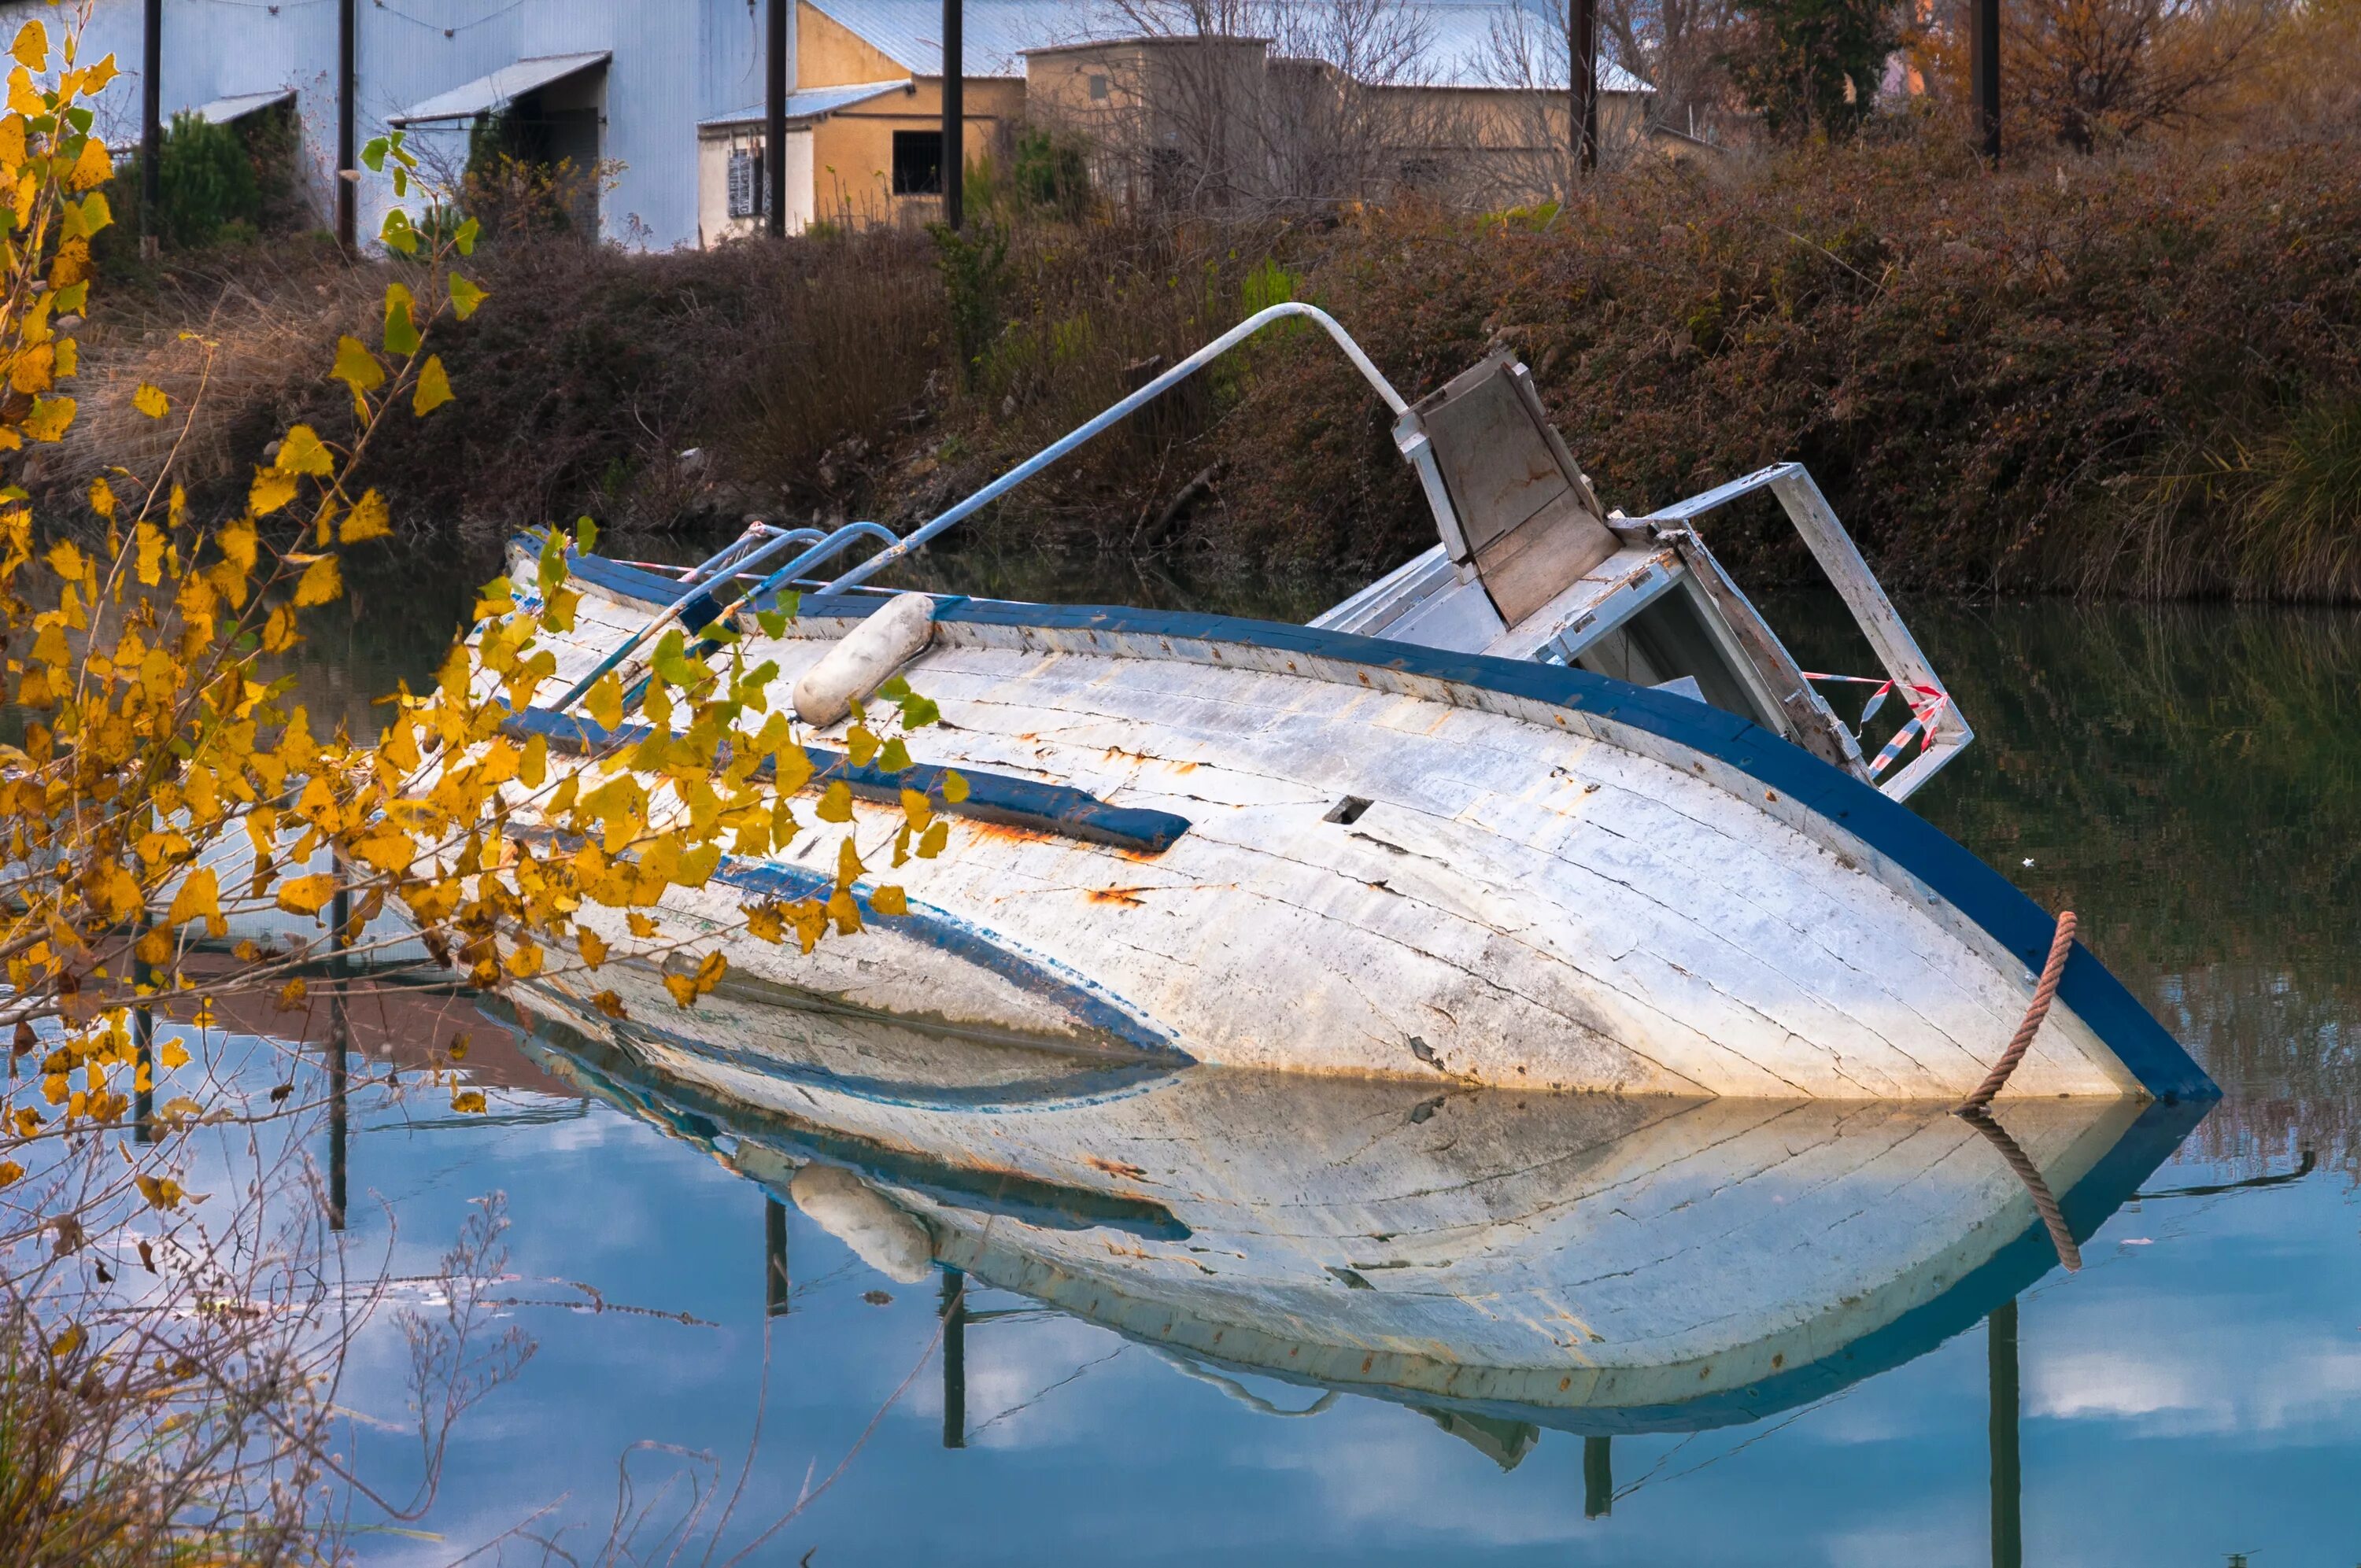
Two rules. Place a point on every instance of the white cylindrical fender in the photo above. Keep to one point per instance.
(861, 663)
(879, 1233)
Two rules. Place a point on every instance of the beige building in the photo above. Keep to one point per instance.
(1482, 117)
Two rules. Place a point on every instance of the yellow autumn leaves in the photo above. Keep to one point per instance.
(49, 164)
(164, 785)
(160, 782)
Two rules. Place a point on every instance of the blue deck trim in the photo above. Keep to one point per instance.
(1978, 891)
(998, 798)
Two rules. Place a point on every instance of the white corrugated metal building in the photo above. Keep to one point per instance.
(662, 90)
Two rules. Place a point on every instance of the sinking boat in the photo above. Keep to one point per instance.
(1548, 807)
(1589, 1263)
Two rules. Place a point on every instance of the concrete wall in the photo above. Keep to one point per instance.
(1135, 101)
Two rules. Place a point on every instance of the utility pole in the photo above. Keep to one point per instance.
(1582, 82)
(775, 123)
(954, 160)
(2007, 1477)
(151, 126)
(954, 1358)
(774, 1258)
(348, 176)
(1983, 75)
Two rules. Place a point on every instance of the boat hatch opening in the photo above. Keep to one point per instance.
(1348, 810)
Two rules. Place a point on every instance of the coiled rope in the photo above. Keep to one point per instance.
(2043, 993)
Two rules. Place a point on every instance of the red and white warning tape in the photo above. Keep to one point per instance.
(1926, 703)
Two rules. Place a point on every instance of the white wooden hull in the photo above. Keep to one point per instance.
(1535, 895)
(1602, 1263)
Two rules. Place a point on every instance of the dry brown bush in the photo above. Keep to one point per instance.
(2137, 372)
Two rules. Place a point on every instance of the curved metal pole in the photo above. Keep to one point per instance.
(669, 614)
(736, 551)
(1189, 1366)
(832, 546)
(1164, 383)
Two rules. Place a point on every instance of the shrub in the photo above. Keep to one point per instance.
(219, 186)
(2134, 377)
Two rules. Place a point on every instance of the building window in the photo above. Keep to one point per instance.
(1098, 87)
(750, 193)
(917, 163)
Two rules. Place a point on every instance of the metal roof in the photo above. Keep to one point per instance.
(1469, 42)
(995, 32)
(236, 106)
(487, 95)
(811, 103)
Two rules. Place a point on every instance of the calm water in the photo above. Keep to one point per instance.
(2188, 780)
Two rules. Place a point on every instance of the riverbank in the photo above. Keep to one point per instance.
(2137, 374)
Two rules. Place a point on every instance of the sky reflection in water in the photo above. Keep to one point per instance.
(2190, 780)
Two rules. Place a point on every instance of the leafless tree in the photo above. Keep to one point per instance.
(1676, 47)
(2100, 70)
(1527, 57)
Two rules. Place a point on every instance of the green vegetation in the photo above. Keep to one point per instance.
(1812, 66)
(218, 185)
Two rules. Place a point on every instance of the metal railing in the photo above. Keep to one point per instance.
(1113, 415)
(738, 558)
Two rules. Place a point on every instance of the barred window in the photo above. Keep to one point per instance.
(750, 193)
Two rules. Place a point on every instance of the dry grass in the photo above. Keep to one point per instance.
(246, 326)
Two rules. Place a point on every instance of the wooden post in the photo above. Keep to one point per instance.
(774, 1258)
(2007, 1480)
(954, 160)
(340, 913)
(1597, 1478)
(954, 1358)
(1582, 82)
(151, 126)
(347, 157)
(1983, 75)
(775, 123)
(143, 1070)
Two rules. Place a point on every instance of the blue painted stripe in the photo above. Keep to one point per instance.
(1087, 1003)
(703, 1118)
(1082, 1001)
(998, 798)
(1978, 891)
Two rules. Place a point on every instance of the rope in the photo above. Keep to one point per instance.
(2044, 1203)
(2059, 945)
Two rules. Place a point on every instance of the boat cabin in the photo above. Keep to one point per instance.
(1530, 566)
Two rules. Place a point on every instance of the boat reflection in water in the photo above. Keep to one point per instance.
(1501, 1261)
